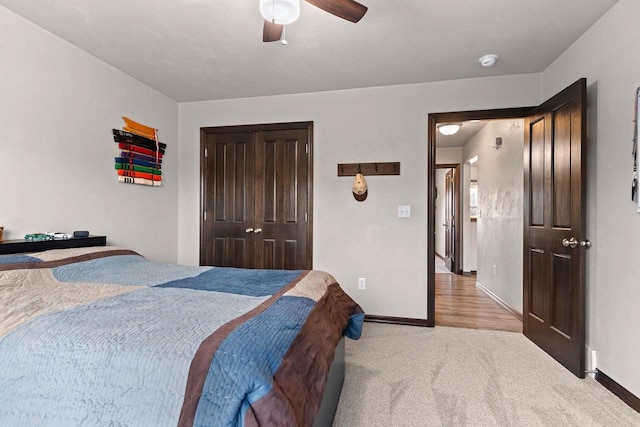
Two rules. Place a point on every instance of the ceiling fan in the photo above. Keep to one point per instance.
(278, 13)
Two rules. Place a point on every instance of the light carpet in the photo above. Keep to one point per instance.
(412, 376)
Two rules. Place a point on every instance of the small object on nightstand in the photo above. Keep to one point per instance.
(80, 234)
(60, 236)
(37, 237)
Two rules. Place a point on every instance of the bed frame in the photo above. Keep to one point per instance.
(335, 378)
(332, 391)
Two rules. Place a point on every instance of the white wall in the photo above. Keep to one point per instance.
(57, 108)
(448, 155)
(353, 239)
(500, 201)
(607, 55)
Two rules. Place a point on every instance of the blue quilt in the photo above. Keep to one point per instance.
(177, 346)
(15, 259)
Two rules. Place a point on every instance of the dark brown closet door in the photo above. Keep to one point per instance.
(257, 196)
(228, 202)
(282, 200)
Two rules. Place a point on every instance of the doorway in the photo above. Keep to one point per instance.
(434, 120)
(554, 238)
(490, 290)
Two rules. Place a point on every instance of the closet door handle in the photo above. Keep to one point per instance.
(574, 243)
(570, 242)
(258, 230)
(248, 230)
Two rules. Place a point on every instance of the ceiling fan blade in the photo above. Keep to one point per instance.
(271, 32)
(346, 9)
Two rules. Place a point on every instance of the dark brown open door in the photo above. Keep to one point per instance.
(449, 220)
(453, 231)
(554, 227)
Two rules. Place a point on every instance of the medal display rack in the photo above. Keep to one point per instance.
(140, 160)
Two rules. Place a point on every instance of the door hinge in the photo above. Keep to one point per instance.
(204, 216)
(306, 148)
(306, 217)
(206, 153)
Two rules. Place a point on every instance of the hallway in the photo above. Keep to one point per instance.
(459, 303)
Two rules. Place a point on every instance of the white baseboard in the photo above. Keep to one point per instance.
(500, 301)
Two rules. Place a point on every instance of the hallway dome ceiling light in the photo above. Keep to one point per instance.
(449, 128)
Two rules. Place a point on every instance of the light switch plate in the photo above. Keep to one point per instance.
(404, 211)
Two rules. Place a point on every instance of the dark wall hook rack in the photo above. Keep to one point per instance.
(369, 169)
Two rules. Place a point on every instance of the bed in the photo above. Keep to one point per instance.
(102, 336)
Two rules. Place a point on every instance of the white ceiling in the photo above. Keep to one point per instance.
(466, 132)
(195, 50)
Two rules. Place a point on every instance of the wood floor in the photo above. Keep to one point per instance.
(459, 303)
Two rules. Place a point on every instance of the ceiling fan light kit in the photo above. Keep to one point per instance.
(278, 13)
(281, 12)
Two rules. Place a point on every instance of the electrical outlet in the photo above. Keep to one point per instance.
(362, 283)
(495, 270)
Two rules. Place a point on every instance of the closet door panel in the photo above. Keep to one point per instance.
(281, 191)
(228, 200)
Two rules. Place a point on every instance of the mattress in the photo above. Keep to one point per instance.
(103, 336)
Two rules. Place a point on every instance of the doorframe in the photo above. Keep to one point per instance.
(433, 120)
(308, 125)
(457, 237)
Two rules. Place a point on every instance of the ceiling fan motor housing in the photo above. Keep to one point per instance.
(282, 12)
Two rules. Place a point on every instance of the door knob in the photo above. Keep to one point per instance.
(574, 243)
(258, 230)
(248, 230)
(585, 243)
